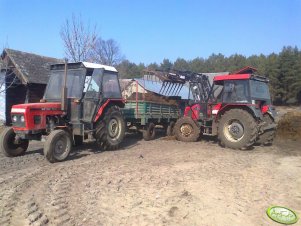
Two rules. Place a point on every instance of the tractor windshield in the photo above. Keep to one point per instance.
(75, 83)
(259, 90)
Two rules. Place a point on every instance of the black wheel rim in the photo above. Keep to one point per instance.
(60, 147)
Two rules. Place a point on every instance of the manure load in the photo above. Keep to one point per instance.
(289, 126)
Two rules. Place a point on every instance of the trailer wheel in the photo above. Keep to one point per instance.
(57, 146)
(186, 130)
(237, 129)
(170, 129)
(150, 132)
(78, 140)
(10, 146)
(110, 129)
(268, 136)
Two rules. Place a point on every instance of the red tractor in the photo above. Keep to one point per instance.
(81, 99)
(236, 108)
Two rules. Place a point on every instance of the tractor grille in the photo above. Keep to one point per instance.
(17, 120)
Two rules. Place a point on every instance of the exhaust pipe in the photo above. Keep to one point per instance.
(64, 89)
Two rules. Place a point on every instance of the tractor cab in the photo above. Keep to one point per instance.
(87, 85)
(244, 90)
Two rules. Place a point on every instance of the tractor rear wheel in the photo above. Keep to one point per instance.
(170, 129)
(10, 146)
(237, 129)
(186, 130)
(57, 146)
(110, 129)
(150, 132)
(268, 136)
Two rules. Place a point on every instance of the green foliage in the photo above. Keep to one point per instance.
(283, 70)
(166, 65)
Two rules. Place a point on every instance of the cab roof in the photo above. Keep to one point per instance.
(221, 78)
(232, 77)
(83, 64)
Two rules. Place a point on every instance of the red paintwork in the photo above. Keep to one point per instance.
(195, 111)
(100, 111)
(246, 70)
(264, 109)
(216, 108)
(232, 77)
(233, 105)
(32, 109)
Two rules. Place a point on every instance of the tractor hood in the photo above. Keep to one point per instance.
(22, 108)
(31, 118)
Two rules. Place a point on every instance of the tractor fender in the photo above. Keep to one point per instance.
(107, 103)
(256, 113)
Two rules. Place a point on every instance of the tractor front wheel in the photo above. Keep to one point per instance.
(110, 129)
(10, 145)
(57, 146)
(237, 129)
(186, 130)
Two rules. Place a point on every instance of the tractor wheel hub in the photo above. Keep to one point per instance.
(186, 129)
(236, 130)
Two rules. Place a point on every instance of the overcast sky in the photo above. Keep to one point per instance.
(149, 31)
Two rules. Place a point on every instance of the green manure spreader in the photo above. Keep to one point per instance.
(145, 109)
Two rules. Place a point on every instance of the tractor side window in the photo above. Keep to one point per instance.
(94, 87)
(110, 84)
(259, 90)
(236, 91)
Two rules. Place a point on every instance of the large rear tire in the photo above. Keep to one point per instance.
(110, 129)
(237, 129)
(9, 145)
(57, 146)
(268, 136)
(186, 130)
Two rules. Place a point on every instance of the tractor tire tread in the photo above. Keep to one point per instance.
(101, 129)
(177, 130)
(250, 123)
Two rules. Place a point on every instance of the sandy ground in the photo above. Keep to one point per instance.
(160, 182)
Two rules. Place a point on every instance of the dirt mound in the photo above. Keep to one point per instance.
(289, 126)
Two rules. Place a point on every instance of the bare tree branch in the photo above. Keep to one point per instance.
(107, 52)
(78, 38)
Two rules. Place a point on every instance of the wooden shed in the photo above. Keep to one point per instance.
(25, 76)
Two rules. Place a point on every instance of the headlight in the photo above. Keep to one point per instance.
(14, 118)
(22, 118)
